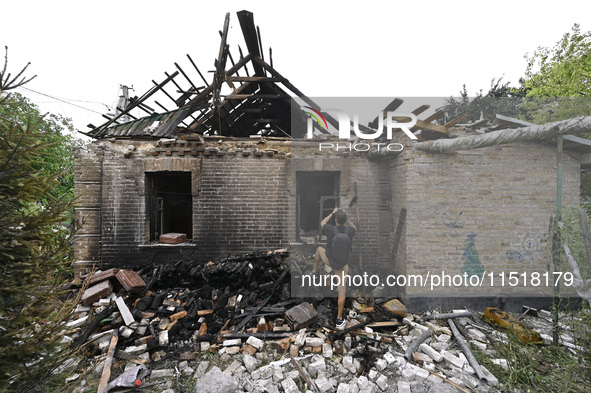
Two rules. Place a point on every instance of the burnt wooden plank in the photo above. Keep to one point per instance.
(262, 304)
(197, 69)
(420, 109)
(439, 114)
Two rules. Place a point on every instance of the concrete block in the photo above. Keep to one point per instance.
(314, 342)
(323, 384)
(316, 366)
(382, 383)
(231, 351)
(403, 387)
(77, 323)
(390, 358)
(231, 343)
(456, 361)
(343, 388)
(201, 369)
(362, 382)
(255, 342)
(288, 385)
(215, 381)
(277, 374)
(124, 310)
(250, 362)
(232, 367)
(433, 354)
(349, 364)
(164, 373)
(300, 340)
(381, 364)
(163, 337)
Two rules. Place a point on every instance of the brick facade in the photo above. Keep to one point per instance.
(488, 209)
(495, 201)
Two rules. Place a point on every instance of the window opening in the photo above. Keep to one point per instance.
(317, 196)
(170, 203)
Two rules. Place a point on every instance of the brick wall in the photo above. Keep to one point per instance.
(242, 205)
(88, 175)
(487, 208)
(240, 202)
(495, 201)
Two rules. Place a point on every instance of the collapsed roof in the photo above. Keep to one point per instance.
(258, 100)
(249, 97)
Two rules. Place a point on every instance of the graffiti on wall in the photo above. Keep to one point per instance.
(528, 247)
(472, 265)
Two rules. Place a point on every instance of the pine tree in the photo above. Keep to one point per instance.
(34, 250)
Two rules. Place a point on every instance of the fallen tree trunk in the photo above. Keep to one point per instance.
(523, 134)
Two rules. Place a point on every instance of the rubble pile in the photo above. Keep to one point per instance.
(174, 303)
(231, 326)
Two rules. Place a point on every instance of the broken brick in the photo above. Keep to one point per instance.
(96, 292)
(173, 238)
(102, 276)
(178, 315)
(188, 356)
(249, 349)
(130, 280)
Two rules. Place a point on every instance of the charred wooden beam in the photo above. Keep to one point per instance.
(249, 32)
(178, 67)
(262, 304)
(272, 71)
(140, 100)
(256, 97)
(262, 335)
(420, 109)
(439, 114)
(254, 79)
(199, 72)
(205, 93)
(456, 121)
(242, 57)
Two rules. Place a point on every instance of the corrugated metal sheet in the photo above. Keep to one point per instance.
(146, 126)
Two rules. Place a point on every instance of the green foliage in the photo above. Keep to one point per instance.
(557, 85)
(55, 131)
(535, 368)
(563, 70)
(500, 99)
(35, 244)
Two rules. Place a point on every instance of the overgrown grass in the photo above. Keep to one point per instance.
(543, 368)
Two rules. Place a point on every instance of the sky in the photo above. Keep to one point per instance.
(83, 51)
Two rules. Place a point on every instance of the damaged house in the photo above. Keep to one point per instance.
(225, 165)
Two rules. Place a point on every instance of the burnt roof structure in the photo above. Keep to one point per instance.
(258, 102)
(244, 98)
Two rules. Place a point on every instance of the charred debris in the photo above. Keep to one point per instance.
(150, 318)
